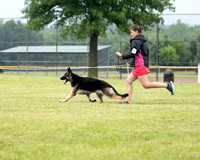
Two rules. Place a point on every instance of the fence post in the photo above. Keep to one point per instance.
(108, 62)
(157, 51)
(199, 73)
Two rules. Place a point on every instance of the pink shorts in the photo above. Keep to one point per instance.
(140, 70)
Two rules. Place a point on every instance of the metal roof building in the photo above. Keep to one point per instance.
(50, 55)
(51, 49)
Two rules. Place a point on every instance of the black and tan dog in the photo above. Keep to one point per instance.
(86, 85)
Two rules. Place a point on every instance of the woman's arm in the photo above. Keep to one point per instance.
(125, 56)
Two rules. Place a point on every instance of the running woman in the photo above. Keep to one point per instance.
(139, 54)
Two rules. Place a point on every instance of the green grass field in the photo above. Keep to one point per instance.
(157, 126)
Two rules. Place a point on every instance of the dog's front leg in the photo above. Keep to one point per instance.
(72, 94)
(68, 97)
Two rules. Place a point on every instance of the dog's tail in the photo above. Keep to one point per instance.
(121, 95)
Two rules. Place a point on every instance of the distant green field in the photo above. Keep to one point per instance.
(157, 126)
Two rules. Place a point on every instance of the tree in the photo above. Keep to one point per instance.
(90, 18)
(14, 33)
(182, 51)
(180, 47)
(197, 56)
(180, 30)
(194, 48)
(168, 55)
(1, 33)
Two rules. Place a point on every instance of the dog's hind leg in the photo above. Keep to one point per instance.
(117, 97)
(100, 96)
(89, 99)
(111, 93)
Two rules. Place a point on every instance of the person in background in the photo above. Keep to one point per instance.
(139, 54)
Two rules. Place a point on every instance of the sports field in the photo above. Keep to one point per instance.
(157, 126)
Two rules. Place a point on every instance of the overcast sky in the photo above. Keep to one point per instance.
(12, 9)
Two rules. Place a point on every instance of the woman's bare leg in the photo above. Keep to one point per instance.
(129, 80)
(146, 84)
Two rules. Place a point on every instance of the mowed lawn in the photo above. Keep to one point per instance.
(157, 126)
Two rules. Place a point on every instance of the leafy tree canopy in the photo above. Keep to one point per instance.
(84, 17)
(13, 31)
(168, 55)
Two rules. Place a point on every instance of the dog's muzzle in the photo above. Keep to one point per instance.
(65, 81)
(64, 78)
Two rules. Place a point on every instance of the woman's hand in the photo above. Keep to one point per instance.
(118, 54)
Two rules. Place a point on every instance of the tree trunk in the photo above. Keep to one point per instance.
(93, 55)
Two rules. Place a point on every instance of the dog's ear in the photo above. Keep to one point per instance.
(69, 70)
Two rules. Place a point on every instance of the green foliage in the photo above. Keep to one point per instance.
(168, 55)
(182, 37)
(82, 18)
(182, 52)
(178, 31)
(197, 55)
(14, 34)
(194, 47)
(181, 49)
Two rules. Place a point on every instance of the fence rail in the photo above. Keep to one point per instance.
(102, 67)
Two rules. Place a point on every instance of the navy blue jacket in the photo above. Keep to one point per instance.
(139, 52)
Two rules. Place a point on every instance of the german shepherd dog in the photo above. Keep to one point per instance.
(86, 85)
